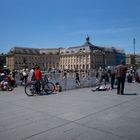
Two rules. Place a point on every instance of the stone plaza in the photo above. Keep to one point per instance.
(77, 114)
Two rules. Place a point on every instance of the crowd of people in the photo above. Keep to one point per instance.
(7, 80)
(106, 78)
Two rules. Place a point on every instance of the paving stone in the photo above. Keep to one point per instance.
(77, 114)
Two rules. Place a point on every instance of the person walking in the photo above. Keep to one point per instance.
(121, 75)
(77, 79)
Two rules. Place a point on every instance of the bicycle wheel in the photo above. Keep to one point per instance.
(30, 89)
(49, 87)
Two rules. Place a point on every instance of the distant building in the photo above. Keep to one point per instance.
(137, 58)
(132, 59)
(2, 60)
(83, 57)
(114, 56)
(19, 57)
(89, 56)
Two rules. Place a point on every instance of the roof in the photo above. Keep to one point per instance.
(33, 51)
(23, 50)
(86, 47)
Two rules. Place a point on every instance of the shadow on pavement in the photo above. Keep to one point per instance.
(130, 94)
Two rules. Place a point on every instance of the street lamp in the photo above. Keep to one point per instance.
(134, 48)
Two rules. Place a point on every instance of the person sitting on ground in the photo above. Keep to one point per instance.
(5, 84)
(11, 80)
(58, 87)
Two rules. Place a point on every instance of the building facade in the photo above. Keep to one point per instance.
(19, 57)
(83, 57)
(132, 59)
(89, 56)
(2, 60)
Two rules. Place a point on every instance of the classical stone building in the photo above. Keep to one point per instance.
(86, 56)
(19, 57)
(83, 57)
(89, 56)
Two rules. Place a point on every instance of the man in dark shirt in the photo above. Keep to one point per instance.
(121, 75)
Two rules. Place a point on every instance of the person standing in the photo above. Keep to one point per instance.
(77, 79)
(112, 76)
(137, 78)
(38, 77)
(121, 75)
(24, 77)
(31, 75)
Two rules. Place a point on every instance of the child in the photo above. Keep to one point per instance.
(58, 87)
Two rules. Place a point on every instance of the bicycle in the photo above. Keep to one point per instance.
(46, 87)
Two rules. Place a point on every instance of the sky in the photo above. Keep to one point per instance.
(66, 23)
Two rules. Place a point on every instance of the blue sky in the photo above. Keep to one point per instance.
(65, 23)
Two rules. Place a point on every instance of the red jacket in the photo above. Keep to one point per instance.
(38, 74)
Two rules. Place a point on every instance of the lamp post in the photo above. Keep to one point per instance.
(134, 48)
